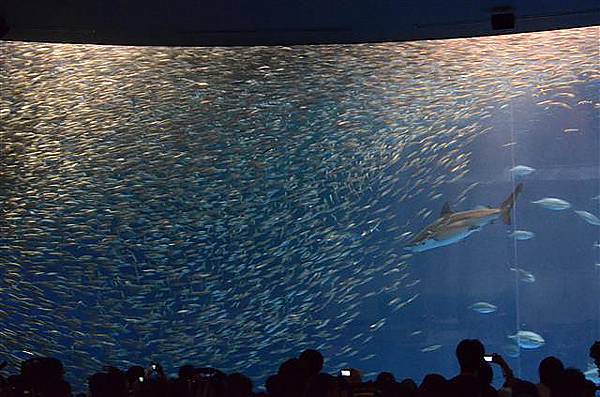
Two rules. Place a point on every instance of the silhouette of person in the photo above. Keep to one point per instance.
(550, 370)
(210, 382)
(485, 375)
(292, 378)
(98, 385)
(522, 388)
(590, 389)
(311, 362)
(185, 383)
(433, 385)
(358, 387)
(572, 383)
(595, 354)
(239, 385)
(44, 374)
(274, 385)
(469, 353)
(3, 381)
(135, 378)
(387, 385)
(321, 385)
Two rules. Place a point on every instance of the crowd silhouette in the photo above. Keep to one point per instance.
(302, 377)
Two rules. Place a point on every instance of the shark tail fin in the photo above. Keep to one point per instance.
(507, 204)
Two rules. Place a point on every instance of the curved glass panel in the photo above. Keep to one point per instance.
(233, 206)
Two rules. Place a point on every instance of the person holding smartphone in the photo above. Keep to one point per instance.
(486, 376)
(154, 382)
(512, 386)
(154, 372)
(469, 354)
(507, 372)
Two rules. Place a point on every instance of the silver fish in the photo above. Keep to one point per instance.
(483, 307)
(522, 235)
(589, 217)
(431, 348)
(524, 275)
(553, 203)
(528, 339)
(521, 170)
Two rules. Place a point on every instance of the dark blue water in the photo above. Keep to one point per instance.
(232, 207)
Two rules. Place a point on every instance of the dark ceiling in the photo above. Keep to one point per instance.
(269, 22)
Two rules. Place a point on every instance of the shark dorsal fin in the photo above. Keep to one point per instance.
(446, 210)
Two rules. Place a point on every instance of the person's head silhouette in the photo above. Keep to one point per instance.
(433, 385)
(550, 370)
(312, 361)
(239, 385)
(469, 354)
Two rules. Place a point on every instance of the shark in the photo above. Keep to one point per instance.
(452, 227)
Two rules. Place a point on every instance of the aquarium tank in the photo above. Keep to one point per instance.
(233, 206)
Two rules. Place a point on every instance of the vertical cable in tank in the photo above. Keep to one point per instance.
(514, 222)
(598, 209)
(597, 246)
